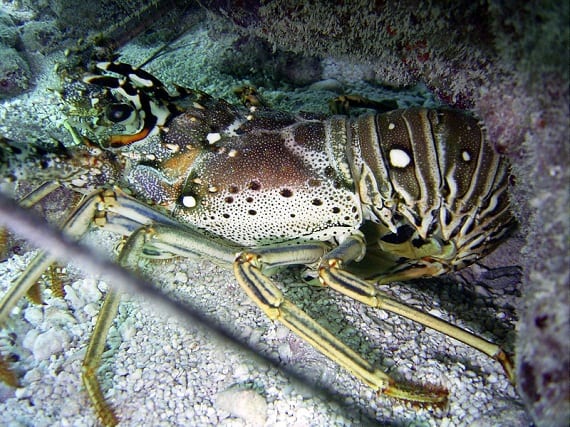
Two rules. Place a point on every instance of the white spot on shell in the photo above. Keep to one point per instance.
(140, 81)
(172, 147)
(465, 156)
(391, 126)
(213, 137)
(399, 158)
(232, 153)
(189, 201)
(231, 129)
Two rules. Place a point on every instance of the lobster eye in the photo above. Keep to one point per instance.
(117, 113)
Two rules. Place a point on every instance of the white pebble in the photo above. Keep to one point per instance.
(49, 343)
(492, 378)
(381, 314)
(33, 375)
(137, 374)
(72, 298)
(91, 309)
(23, 392)
(59, 317)
(181, 277)
(87, 289)
(244, 404)
(30, 339)
(281, 332)
(241, 371)
(34, 315)
(285, 352)
(435, 312)
(127, 330)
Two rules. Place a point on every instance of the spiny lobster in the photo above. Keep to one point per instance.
(359, 201)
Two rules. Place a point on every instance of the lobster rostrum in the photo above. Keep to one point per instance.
(359, 201)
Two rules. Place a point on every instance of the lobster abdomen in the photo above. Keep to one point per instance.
(430, 174)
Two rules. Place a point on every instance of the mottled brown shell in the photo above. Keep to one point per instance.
(432, 176)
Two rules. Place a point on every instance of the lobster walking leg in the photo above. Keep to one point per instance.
(75, 226)
(271, 300)
(92, 359)
(331, 274)
(38, 194)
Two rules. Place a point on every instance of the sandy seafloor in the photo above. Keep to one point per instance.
(163, 371)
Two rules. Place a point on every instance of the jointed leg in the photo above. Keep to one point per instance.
(271, 300)
(331, 274)
(77, 224)
(150, 240)
(127, 214)
(124, 214)
(134, 245)
(153, 240)
(92, 358)
(38, 194)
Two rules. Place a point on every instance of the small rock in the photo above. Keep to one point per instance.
(244, 404)
(34, 315)
(127, 330)
(15, 73)
(91, 309)
(48, 343)
(241, 371)
(332, 85)
(41, 36)
(59, 317)
(181, 277)
(285, 352)
(33, 375)
(72, 298)
(281, 332)
(30, 339)
(8, 30)
(88, 290)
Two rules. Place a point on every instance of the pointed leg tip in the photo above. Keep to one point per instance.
(432, 396)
